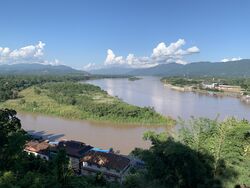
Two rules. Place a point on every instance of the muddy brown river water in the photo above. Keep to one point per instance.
(148, 91)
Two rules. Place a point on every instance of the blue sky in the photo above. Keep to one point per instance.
(80, 32)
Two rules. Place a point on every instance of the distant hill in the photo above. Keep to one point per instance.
(112, 71)
(38, 69)
(160, 70)
(239, 68)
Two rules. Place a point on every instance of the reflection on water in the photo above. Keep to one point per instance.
(146, 92)
(149, 91)
(104, 135)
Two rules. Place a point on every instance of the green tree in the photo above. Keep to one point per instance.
(61, 169)
(225, 141)
(8, 180)
(12, 139)
(169, 163)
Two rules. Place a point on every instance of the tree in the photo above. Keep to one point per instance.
(226, 141)
(169, 163)
(8, 180)
(61, 168)
(12, 139)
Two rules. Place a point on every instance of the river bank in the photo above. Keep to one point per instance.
(100, 134)
(146, 92)
(218, 87)
(83, 102)
(205, 92)
(150, 91)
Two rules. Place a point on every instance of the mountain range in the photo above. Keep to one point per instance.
(240, 68)
(38, 69)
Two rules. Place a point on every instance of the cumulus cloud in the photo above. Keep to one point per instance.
(27, 54)
(56, 62)
(173, 52)
(92, 66)
(162, 53)
(231, 59)
(112, 59)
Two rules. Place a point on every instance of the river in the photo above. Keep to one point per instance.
(148, 91)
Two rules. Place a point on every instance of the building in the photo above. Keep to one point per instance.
(209, 86)
(38, 148)
(114, 167)
(229, 88)
(75, 151)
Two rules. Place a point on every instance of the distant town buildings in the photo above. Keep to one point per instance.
(221, 87)
(209, 86)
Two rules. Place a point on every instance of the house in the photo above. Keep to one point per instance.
(229, 88)
(38, 148)
(75, 151)
(114, 167)
(209, 86)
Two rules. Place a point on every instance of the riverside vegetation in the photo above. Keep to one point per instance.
(133, 78)
(206, 154)
(197, 82)
(64, 97)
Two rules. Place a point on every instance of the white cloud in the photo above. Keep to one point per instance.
(26, 54)
(179, 61)
(173, 52)
(162, 53)
(193, 49)
(91, 66)
(112, 59)
(56, 62)
(231, 59)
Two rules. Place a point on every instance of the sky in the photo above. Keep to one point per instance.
(87, 34)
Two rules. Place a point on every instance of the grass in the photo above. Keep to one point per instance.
(41, 103)
(90, 103)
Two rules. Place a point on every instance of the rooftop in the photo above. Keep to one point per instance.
(107, 160)
(72, 148)
(37, 146)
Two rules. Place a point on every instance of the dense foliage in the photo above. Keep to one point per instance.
(20, 170)
(63, 96)
(181, 81)
(206, 153)
(11, 85)
(99, 105)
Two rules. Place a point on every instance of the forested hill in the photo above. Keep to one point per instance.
(112, 71)
(239, 68)
(230, 69)
(38, 69)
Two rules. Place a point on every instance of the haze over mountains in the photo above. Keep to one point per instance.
(38, 69)
(239, 68)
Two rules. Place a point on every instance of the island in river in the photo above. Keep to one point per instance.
(82, 101)
(133, 78)
(149, 91)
